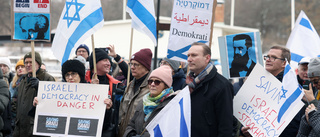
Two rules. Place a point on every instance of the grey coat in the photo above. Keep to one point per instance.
(4, 98)
(313, 128)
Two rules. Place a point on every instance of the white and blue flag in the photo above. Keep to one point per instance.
(79, 19)
(292, 93)
(174, 120)
(303, 41)
(143, 17)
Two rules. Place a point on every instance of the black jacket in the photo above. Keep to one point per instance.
(179, 80)
(212, 107)
(4, 97)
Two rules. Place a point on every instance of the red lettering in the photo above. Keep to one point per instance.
(78, 106)
(42, 5)
(263, 103)
(59, 103)
(270, 114)
(64, 104)
(84, 105)
(243, 114)
(252, 98)
(265, 111)
(91, 105)
(257, 102)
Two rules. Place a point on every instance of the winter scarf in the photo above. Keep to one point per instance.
(150, 103)
(200, 77)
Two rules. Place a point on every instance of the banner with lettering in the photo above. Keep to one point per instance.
(259, 102)
(191, 22)
(70, 109)
(30, 20)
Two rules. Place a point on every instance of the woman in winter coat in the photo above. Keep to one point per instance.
(73, 71)
(161, 92)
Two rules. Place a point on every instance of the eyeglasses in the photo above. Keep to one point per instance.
(271, 58)
(164, 63)
(315, 81)
(72, 74)
(134, 65)
(156, 82)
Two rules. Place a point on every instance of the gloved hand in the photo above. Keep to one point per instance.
(34, 82)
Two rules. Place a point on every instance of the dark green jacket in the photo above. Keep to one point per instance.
(4, 98)
(26, 94)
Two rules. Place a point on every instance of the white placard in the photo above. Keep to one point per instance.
(70, 109)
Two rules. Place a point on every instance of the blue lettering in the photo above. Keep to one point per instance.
(43, 96)
(52, 87)
(64, 88)
(58, 88)
(244, 106)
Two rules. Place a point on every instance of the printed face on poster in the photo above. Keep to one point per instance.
(258, 104)
(70, 109)
(31, 26)
(240, 53)
(31, 20)
(191, 22)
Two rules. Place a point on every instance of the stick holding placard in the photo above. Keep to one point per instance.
(33, 60)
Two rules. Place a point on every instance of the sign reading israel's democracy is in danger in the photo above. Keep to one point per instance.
(70, 109)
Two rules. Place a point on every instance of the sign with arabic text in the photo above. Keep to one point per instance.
(191, 22)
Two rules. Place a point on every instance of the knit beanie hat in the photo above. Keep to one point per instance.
(83, 46)
(19, 63)
(314, 67)
(164, 73)
(37, 57)
(144, 57)
(6, 61)
(74, 66)
(100, 55)
(174, 64)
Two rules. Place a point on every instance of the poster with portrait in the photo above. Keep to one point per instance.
(239, 53)
(30, 20)
(70, 109)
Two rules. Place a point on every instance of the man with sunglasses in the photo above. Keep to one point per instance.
(211, 95)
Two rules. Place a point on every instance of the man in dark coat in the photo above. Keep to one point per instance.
(27, 90)
(211, 95)
(4, 97)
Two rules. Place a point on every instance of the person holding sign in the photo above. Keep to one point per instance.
(211, 95)
(160, 86)
(310, 121)
(103, 68)
(276, 60)
(27, 90)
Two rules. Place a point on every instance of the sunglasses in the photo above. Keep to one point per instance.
(156, 82)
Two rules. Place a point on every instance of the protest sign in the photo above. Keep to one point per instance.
(70, 109)
(239, 53)
(30, 20)
(191, 22)
(259, 103)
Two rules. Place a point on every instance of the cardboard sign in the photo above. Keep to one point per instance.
(30, 20)
(258, 102)
(70, 109)
(239, 54)
(191, 22)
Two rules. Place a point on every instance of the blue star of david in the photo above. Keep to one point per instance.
(283, 93)
(76, 16)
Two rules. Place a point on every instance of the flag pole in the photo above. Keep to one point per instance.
(156, 47)
(212, 21)
(292, 13)
(130, 52)
(94, 58)
(33, 60)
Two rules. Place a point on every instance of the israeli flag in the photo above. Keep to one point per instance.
(291, 93)
(143, 17)
(303, 41)
(174, 120)
(79, 19)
